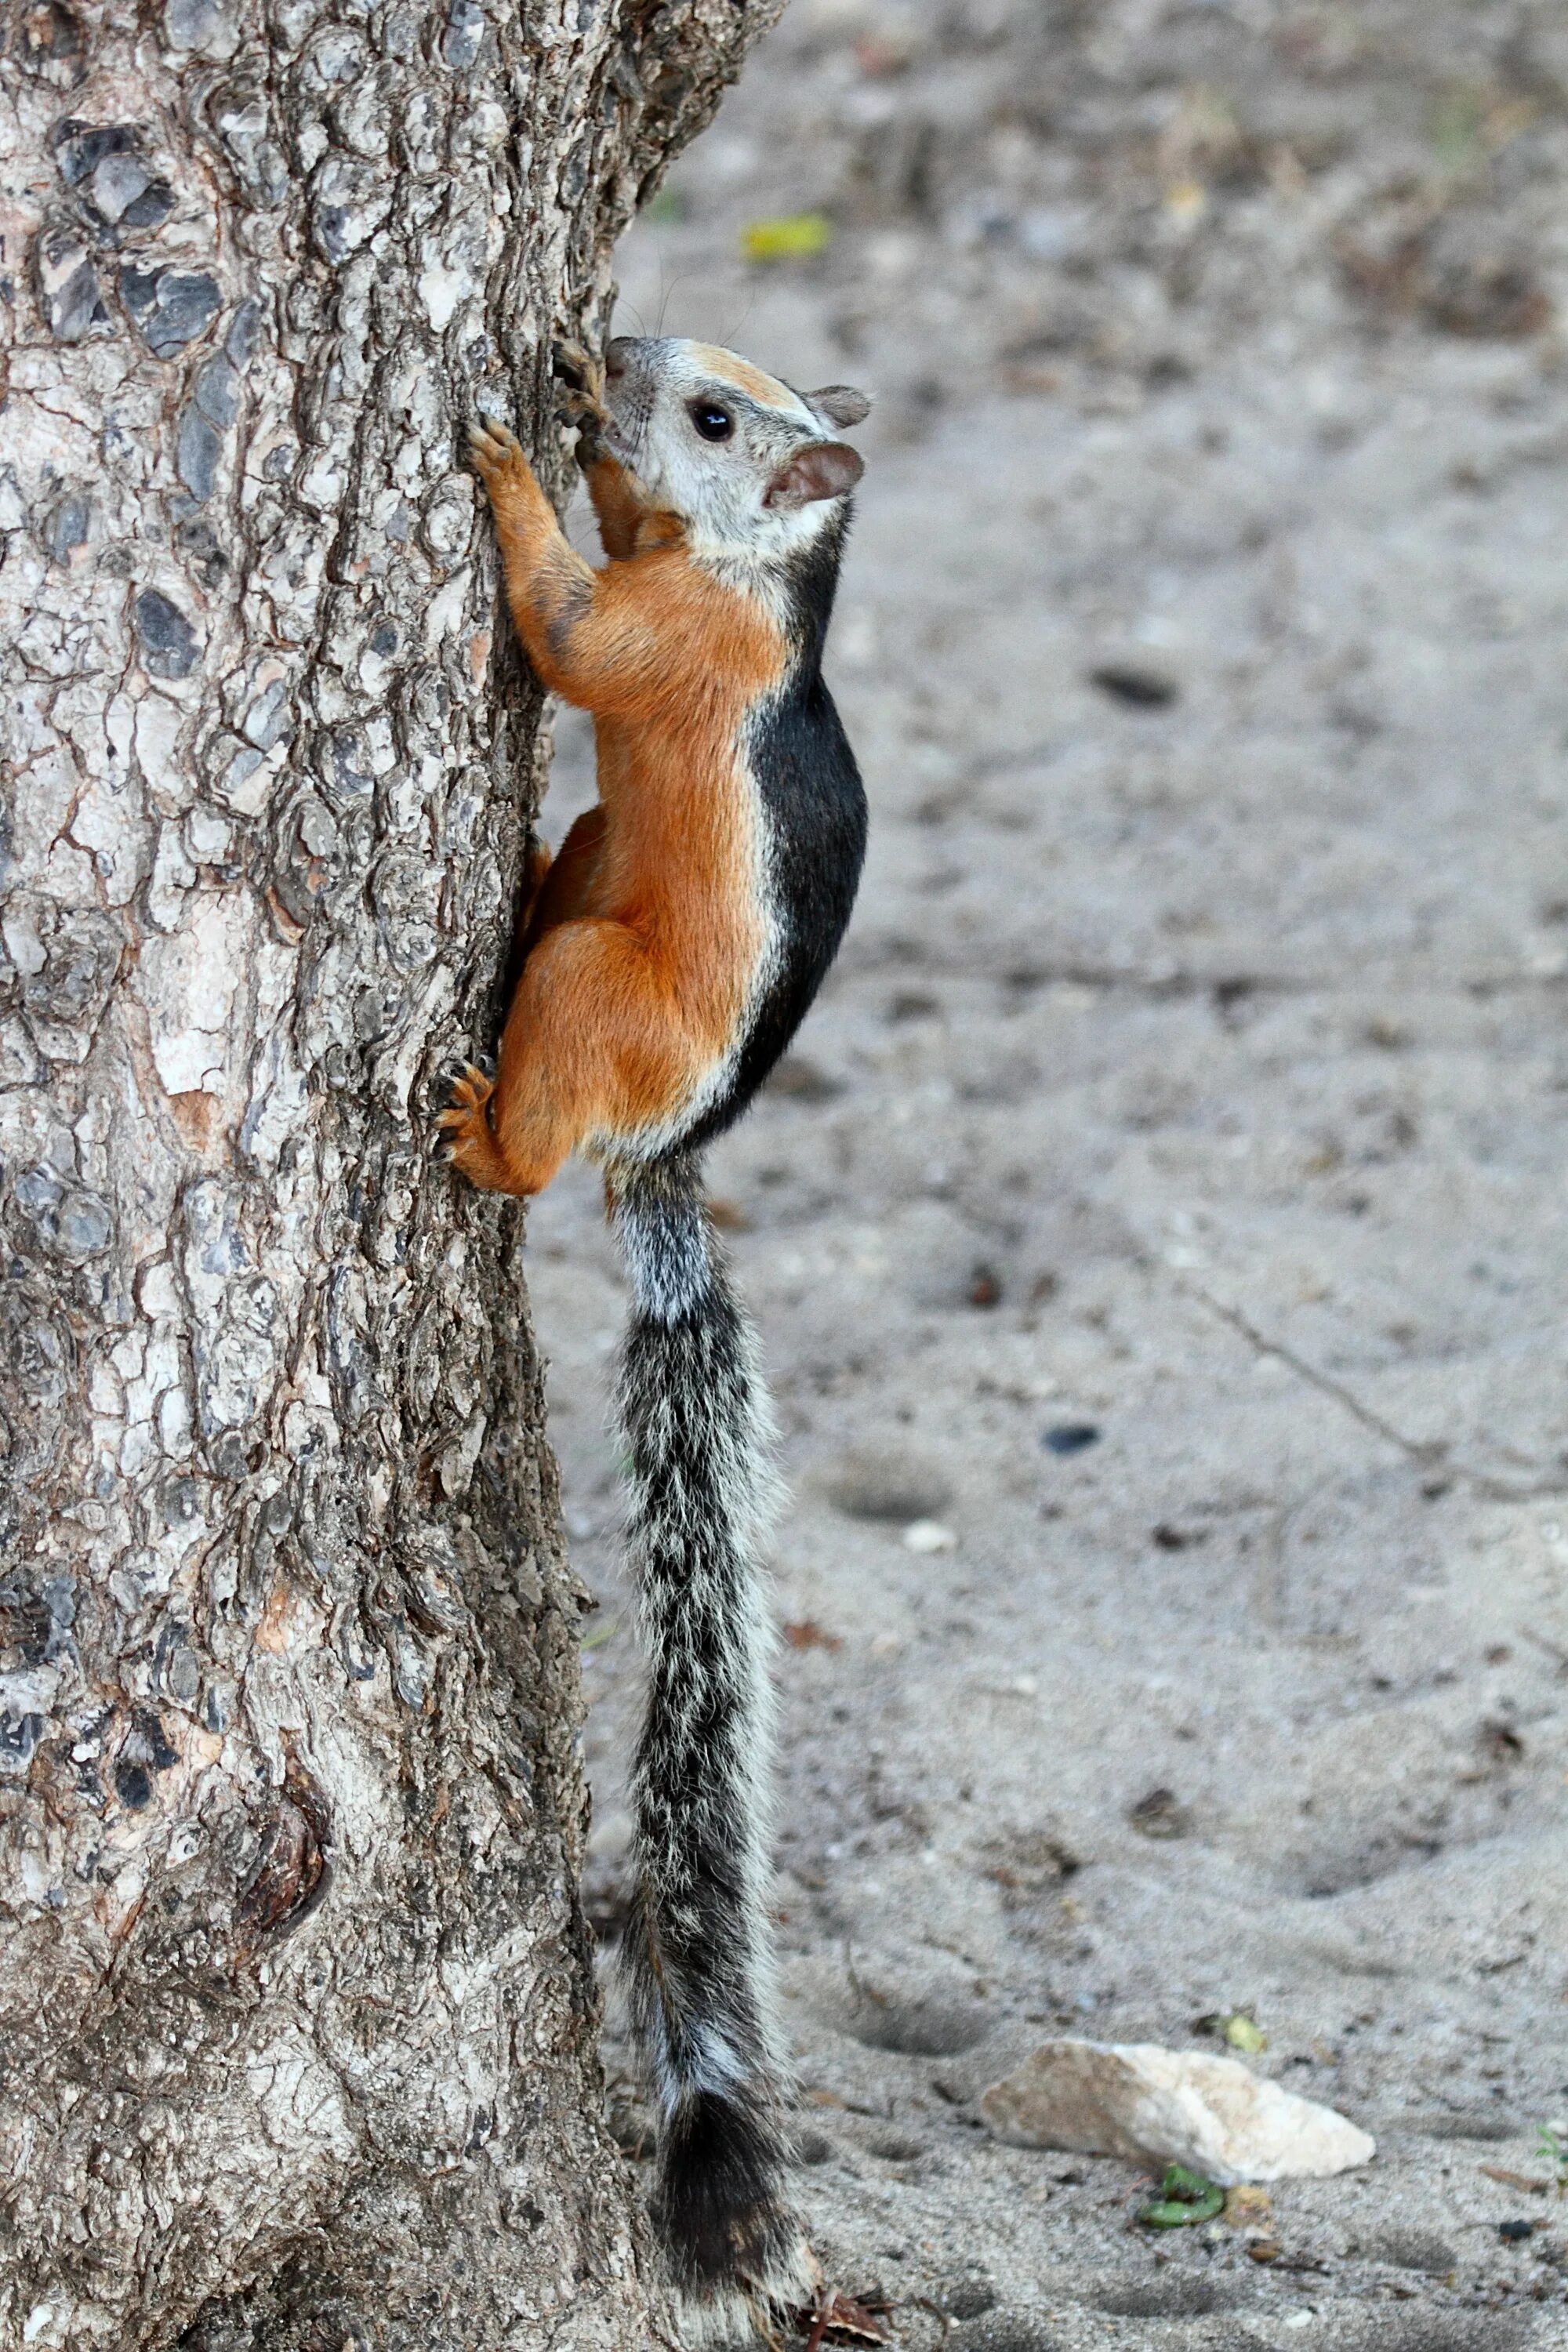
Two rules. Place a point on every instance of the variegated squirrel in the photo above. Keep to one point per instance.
(668, 953)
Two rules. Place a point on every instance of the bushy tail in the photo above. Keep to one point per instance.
(695, 1420)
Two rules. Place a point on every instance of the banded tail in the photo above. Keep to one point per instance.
(697, 1957)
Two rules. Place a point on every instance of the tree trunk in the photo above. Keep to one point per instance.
(297, 2025)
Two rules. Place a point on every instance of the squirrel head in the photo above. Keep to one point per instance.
(748, 465)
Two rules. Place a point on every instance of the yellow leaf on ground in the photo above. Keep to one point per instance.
(796, 236)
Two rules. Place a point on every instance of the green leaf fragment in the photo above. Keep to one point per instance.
(1186, 2199)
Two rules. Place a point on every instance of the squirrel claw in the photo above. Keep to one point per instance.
(494, 449)
(580, 400)
(581, 411)
(462, 1123)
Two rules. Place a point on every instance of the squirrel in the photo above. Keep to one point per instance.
(668, 953)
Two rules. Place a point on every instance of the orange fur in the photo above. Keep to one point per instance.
(646, 933)
(729, 367)
(619, 506)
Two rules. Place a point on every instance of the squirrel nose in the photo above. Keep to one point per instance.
(616, 353)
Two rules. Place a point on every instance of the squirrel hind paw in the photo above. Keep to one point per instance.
(463, 1090)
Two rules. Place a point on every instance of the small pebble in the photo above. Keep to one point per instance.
(1070, 1437)
(929, 1535)
(1132, 683)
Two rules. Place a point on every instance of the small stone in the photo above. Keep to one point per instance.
(1160, 1814)
(1171, 2107)
(928, 1536)
(1070, 1437)
(985, 1288)
(1135, 684)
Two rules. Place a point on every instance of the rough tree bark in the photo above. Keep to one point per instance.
(297, 2027)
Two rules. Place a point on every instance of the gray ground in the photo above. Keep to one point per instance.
(1195, 1074)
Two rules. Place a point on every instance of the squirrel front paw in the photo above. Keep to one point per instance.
(576, 368)
(499, 457)
(580, 399)
(463, 1127)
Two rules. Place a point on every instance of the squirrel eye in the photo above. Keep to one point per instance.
(713, 422)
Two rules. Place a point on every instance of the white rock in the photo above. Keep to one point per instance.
(1170, 2106)
(929, 1535)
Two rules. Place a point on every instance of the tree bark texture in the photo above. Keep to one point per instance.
(296, 2023)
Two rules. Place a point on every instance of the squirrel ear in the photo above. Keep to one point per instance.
(823, 470)
(840, 405)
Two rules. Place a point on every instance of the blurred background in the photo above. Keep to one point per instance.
(1158, 1234)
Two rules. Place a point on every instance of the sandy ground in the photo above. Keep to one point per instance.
(1190, 1093)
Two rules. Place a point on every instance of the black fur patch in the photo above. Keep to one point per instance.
(716, 2207)
(814, 808)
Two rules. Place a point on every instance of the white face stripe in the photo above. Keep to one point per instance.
(718, 488)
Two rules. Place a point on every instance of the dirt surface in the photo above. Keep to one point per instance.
(1165, 1207)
